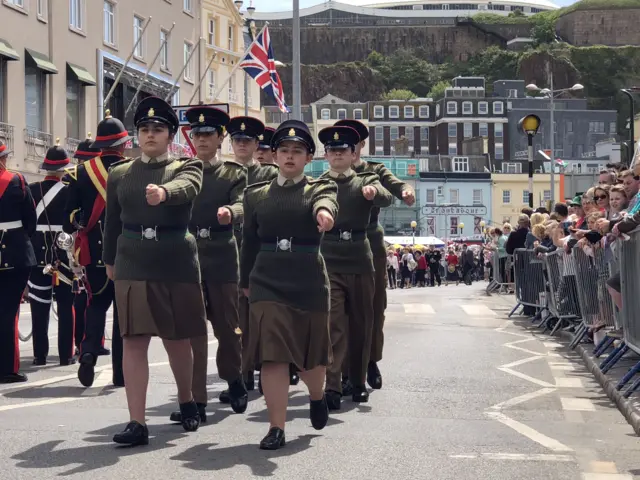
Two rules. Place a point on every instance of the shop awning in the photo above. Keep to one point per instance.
(7, 51)
(82, 75)
(41, 61)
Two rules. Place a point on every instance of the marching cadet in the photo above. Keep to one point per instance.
(153, 260)
(283, 274)
(375, 234)
(50, 196)
(83, 153)
(264, 154)
(245, 133)
(85, 215)
(217, 207)
(17, 225)
(349, 260)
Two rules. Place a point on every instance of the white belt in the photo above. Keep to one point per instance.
(48, 228)
(11, 225)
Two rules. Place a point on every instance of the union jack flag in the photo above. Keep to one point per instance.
(260, 64)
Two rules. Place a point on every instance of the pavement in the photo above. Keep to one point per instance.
(467, 394)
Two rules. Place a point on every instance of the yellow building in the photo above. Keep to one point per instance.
(510, 193)
(224, 40)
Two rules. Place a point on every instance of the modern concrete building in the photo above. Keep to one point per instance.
(60, 58)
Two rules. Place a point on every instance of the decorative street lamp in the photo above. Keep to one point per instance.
(529, 125)
(461, 227)
(414, 224)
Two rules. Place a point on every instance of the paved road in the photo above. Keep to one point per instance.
(467, 395)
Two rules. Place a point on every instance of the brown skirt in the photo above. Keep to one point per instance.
(169, 310)
(283, 334)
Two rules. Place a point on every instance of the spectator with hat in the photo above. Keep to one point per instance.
(152, 258)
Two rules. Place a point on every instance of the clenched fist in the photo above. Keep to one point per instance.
(409, 197)
(155, 195)
(111, 272)
(325, 220)
(224, 216)
(369, 192)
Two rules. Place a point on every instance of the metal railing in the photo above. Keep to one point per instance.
(530, 284)
(630, 266)
(37, 143)
(72, 145)
(7, 134)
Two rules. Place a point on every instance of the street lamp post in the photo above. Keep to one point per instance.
(297, 97)
(550, 92)
(632, 134)
(249, 28)
(414, 224)
(529, 125)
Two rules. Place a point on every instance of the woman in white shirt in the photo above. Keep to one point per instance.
(392, 268)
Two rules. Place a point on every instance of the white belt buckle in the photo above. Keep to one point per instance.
(345, 236)
(150, 234)
(284, 245)
(204, 233)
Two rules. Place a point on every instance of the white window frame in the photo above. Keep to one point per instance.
(499, 147)
(230, 32)
(423, 111)
(431, 226)
(449, 128)
(440, 191)
(498, 108)
(325, 114)
(477, 196)
(525, 197)
(431, 196)
(188, 72)
(498, 131)
(379, 133)
(613, 128)
(468, 128)
(211, 83)
(513, 92)
(394, 111)
(232, 89)
(511, 168)
(409, 111)
(391, 133)
(454, 196)
(138, 32)
(483, 106)
(454, 228)
(460, 164)
(211, 32)
(409, 135)
(357, 114)
(16, 3)
(77, 9)
(187, 6)
(483, 127)
(452, 108)
(344, 113)
(546, 195)
(424, 136)
(453, 149)
(113, 16)
(467, 108)
(164, 54)
(506, 197)
(41, 9)
(378, 111)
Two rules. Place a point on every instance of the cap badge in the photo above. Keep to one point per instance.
(243, 127)
(336, 136)
(292, 132)
(201, 119)
(261, 137)
(152, 113)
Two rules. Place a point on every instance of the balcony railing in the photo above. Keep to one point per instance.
(233, 97)
(7, 135)
(37, 143)
(72, 145)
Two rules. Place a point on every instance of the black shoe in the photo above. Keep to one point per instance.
(360, 394)
(118, 380)
(333, 399)
(13, 378)
(189, 416)
(238, 396)
(347, 386)
(39, 361)
(202, 413)
(224, 397)
(294, 378)
(250, 383)
(374, 377)
(103, 352)
(86, 373)
(133, 434)
(68, 361)
(319, 413)
(274, 439)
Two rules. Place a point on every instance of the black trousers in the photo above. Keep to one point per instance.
(434, 275)
(12, 284)
(79, 310)
(101, 296)
(41, 295)
(393, 281)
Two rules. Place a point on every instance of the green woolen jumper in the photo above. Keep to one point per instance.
(223, 185)
(173, 258)
(296, 277)
(353, 256)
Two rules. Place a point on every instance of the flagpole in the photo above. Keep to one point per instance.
(237, 65)
(206, 71)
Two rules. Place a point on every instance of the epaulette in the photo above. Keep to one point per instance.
(273, 165)
(72, 172)
(120, 162)
(367, 174)
(259, 184)
(373, 162)
(318, 180)
(232, 163)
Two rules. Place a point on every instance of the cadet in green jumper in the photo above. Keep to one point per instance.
(375, 233)
(284, 276)
(216, 209)
(349, 261)
(153, 260)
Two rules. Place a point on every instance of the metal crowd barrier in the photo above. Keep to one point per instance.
(563, 302)
(530, 286)
(502, 273)
(592, 273)
(630, 269)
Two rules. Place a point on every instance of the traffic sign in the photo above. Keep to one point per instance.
(182, 110)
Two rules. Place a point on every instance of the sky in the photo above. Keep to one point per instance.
(283, 5)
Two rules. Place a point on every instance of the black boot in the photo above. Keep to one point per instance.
(189, 416)
(39, 361)
(360, 394)
(224, 397)
(274, 439)
(202, 413)
(134, 434)
(294, 378)
(250, 382)
(13, 378)
(86, 372)
(333, 399)
(319, 413)
(347, 387)
(374, 377)
(102, 351)
(238, 396)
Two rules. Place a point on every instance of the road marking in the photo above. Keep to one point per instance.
(478, 310)
(524, 376)
(463, 456)
(577, 404)
(418, 308)
(523, 398)
(521, 361)
(529, 457)
(606, 476)
(569, 382)
(529, 432)
(502, 330)
(552, 345)
(602, 467)
(98, 384)
(39, 403)
(564, 367)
